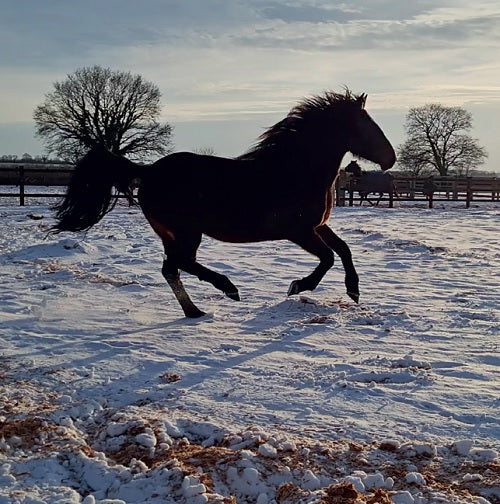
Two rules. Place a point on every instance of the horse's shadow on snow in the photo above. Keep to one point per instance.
(283, 327)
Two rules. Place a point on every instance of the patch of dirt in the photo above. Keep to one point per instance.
(444, 473)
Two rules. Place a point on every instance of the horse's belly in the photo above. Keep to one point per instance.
(243, 234)
(241, 228)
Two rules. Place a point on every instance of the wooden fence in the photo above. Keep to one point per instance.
(428, 189)
(23, 176)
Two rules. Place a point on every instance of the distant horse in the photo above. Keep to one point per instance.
(281, 189)
(366, 182)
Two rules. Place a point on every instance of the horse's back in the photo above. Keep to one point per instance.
(375, 181)
(182, 174)
(198, 187)
(186, 165)
(208, 180)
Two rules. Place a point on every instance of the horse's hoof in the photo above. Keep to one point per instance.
(294, 288)
(354, 296)
(233, 295)
(194, 313)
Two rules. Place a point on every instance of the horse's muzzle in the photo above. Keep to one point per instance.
(389, 163)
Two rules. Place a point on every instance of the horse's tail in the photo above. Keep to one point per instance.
(89, 196)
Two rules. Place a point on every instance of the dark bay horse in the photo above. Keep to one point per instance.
(366, 182)
(281, 189)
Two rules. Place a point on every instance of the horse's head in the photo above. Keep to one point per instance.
(329, 124)
(354, 168)
(365, 138)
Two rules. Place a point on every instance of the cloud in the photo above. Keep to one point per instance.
(53, 33)
(315, 11)
(60, 34)
(422, 33)
(304, 12)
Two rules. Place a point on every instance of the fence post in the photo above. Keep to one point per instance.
(340, 196)
(21, 185)
(469, 193)
(411, 187)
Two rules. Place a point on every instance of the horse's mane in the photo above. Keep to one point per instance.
(284, 135)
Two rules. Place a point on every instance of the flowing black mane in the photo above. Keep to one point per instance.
(287, 134)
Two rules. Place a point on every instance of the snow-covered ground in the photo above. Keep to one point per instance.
(108, 395)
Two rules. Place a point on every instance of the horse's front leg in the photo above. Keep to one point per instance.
(313, 244)
(341, 248)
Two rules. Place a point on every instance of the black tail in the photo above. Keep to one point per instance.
(89, 195)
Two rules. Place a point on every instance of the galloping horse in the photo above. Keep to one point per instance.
(281, 189)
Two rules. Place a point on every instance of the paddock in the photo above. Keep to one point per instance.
(97, 358)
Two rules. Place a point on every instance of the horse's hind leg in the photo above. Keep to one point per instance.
(186, 246)
(171, 274)
(313, 244)
(170, 268)
(341, 248)
(219, 281)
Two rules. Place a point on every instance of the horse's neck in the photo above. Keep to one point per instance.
(301, 166)
(326, 170)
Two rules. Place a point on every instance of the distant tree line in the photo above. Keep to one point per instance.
(28, 158)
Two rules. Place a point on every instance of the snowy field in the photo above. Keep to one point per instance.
(108, 395)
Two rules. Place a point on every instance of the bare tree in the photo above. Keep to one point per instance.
(413, 160)
(438, 139)
(98, 106)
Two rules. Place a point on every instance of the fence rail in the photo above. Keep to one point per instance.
(23, 176)
(429, 189)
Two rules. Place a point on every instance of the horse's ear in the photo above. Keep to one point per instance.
(361, 100)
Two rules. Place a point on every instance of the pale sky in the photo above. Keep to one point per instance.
(227, 69)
